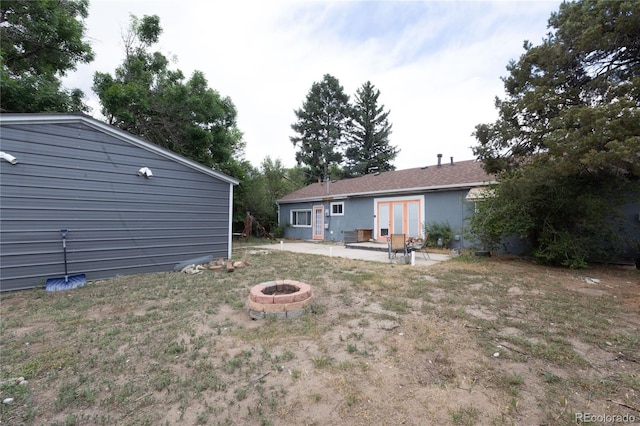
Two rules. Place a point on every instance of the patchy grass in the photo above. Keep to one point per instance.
(468, 341)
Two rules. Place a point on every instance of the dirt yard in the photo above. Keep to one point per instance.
(488, 341)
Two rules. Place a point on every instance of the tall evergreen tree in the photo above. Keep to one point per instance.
(369, 147)
(322, 127)
(40, 41)
(566, 142)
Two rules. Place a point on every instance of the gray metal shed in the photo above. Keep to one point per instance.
(77, 173)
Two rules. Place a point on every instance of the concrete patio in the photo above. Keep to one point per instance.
(368, 251)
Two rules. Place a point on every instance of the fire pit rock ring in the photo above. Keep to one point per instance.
(279, 299)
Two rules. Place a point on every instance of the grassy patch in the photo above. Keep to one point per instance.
(383, 341)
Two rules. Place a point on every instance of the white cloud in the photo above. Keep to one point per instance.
(437, 64)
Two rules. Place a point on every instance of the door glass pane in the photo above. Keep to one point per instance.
(414, 220)
(318, 222)
(398, 218)
(383, 219)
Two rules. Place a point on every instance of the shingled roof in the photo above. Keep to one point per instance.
(459, 175)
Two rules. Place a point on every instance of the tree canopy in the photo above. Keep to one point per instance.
(148, 99)
(264, 186)
(322, 127)
(369, 147)
(40, 41)
(566, 145)
(337, 139)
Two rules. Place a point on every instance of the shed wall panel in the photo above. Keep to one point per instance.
(73, 176)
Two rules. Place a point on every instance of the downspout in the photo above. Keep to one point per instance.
(230, 233)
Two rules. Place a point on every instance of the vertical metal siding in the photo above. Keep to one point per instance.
(76, 177)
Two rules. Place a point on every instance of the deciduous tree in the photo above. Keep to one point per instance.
(148, 99)
(265, 186)
(40, 41)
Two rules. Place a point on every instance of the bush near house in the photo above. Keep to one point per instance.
(438, 230)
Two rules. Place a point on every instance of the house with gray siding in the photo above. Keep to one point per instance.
(377, 205)
(129, 206)
(380, 204)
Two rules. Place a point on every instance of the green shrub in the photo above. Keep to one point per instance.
(436, 231)
(277, 231)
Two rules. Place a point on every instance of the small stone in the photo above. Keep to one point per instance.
(188, 269)
(7, 401)
(496, 354)
(23, 383)
(608, 343)
(193, 269)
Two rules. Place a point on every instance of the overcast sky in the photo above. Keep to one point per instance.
(437, 64)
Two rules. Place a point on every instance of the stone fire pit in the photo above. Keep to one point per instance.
(280, 299)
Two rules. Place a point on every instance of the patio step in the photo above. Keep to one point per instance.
(367, 246)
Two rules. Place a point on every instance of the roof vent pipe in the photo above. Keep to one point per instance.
(452, 161)
(439, 160)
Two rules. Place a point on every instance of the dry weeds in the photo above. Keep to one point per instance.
(470, 341)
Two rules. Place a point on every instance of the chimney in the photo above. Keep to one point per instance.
(439, 160)
(452, 161)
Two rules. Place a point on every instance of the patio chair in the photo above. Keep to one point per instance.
(396, 243)
(421, 247)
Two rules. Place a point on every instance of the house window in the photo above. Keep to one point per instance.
(301, 218)
(337, 209)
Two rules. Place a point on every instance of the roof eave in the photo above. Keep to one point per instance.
(432, 188)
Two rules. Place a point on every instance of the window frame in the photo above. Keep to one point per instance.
(295, 212)
(337, 203)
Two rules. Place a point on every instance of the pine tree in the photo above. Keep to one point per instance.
(322, 127)
(566, 144)
(369, 147)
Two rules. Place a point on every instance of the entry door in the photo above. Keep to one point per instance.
(318, 222)
(399, 217)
